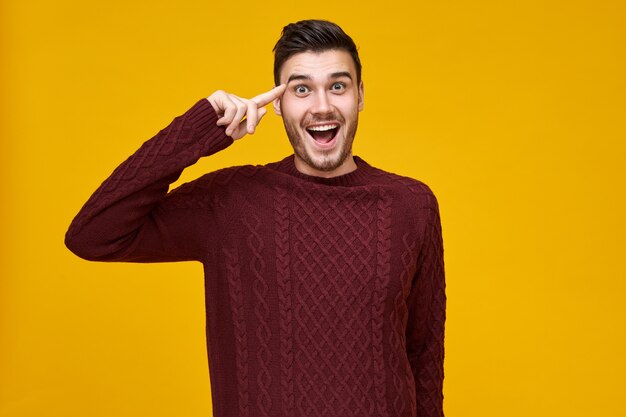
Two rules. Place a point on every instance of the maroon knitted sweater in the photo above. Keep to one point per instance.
(324, 297)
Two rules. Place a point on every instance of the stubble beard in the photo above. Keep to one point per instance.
(326, 162)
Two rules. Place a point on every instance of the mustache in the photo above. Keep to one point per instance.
(330, 117)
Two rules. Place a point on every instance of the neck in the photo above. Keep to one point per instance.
(346, 167)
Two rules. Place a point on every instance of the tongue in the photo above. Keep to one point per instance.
(323, 136)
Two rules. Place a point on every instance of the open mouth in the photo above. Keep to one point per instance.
(323, 134)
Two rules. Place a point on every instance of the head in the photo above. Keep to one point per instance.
(313, 36)
(320, 64)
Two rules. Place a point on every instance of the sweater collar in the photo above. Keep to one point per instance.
(359, 176)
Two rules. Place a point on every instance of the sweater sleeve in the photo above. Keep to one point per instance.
(129, 217)
(427, 313)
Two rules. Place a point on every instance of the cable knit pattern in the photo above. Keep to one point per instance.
(398, 316)
(334, 247)
(324, 296)
(239, 323)
(382, 281)
(281, 221)
(261, 310)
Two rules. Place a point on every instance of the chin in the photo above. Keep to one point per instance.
(313, 154)
(322, 160)
(330, 163)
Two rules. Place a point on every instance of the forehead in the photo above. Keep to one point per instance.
(318, 64)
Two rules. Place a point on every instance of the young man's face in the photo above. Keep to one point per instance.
(320, 110)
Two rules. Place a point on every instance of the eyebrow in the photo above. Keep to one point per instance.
(341, 74)
(303, 77)
(298, 77)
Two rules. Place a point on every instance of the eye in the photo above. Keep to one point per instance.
(301, 90)
(338, 86)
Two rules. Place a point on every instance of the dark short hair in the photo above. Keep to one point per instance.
(312, 36)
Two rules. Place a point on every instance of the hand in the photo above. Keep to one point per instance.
(242, 115)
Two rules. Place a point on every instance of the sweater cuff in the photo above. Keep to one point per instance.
(203, 118)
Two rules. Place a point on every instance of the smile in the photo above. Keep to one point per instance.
(323, 134)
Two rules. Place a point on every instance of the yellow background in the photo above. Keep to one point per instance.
(513, 112)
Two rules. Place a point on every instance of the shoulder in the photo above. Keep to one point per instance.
(220, 185)
(406, 189)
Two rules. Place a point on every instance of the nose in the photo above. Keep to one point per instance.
(322, 103)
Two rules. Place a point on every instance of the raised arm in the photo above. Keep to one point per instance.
(129, 217)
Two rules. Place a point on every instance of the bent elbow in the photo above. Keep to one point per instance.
(87, 246)
(80, 245)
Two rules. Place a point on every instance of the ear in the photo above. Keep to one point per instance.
(361, 93)
(276, 104)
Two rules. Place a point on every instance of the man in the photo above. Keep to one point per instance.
(324, 275)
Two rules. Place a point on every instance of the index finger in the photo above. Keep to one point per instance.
(269, 96)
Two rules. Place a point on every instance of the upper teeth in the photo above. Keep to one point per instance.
(322, 128)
